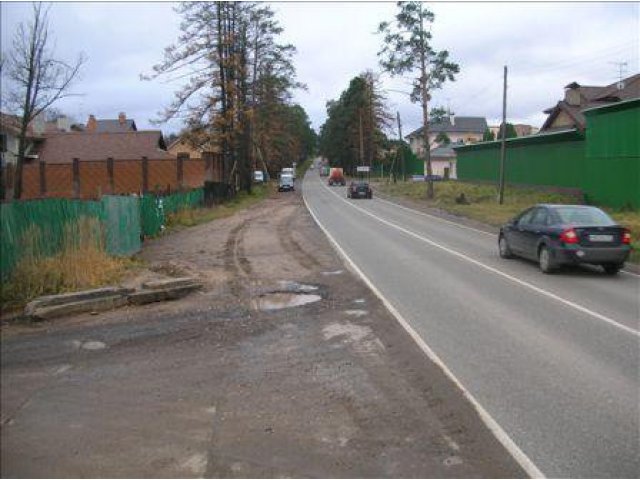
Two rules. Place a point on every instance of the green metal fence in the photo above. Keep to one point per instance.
(42, 228)
(153, 210)
(604, 162)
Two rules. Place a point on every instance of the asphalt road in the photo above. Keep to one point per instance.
(553, 359)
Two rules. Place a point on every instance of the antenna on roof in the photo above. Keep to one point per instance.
(622, 69)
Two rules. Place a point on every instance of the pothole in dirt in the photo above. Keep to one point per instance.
(279, 300)
(296, 287)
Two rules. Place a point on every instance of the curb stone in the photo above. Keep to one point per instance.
(109, 298)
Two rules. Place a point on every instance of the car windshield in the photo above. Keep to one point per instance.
(583, 216)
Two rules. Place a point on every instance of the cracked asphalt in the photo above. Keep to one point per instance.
(211, 386)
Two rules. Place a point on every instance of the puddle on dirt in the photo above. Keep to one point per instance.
(356, 313)
(291, 286)
(279, 300)
(336, 272)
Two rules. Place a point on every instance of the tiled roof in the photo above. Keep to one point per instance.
(593, 96)
(64, 147)
(459, 125)
(9, 123)
(113, 126)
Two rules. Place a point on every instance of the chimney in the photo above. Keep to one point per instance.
(92, 125)
(122, 118)
(38, 124)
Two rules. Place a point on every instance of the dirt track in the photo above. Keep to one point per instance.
(211, 386)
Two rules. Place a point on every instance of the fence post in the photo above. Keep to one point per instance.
(43, 178)
(208, 166)
(76, 177)
(180, 168)
(112, 183)
(145, 175)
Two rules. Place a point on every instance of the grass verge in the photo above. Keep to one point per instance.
(197, 216)
(483, 204)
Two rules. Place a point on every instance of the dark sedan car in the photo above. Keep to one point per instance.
(556, 235)
(359, 189)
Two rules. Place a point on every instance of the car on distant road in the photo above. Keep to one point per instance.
(359, 189)
(434, 177)
(556, 235)
(285, 183)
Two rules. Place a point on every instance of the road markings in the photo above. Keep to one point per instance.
(435, 217)
(520, 457)
(539, 290)
(418, 212)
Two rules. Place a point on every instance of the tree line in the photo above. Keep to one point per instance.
(237, 98)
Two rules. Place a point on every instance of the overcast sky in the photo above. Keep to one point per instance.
(545, 45)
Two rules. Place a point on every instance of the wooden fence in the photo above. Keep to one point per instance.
(92, 179)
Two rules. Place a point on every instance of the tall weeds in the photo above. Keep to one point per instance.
(80, 263)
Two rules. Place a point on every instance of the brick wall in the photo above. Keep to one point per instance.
(96, 178)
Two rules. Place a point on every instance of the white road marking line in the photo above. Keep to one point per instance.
(539, 290)
(418, 212)
(520, 457)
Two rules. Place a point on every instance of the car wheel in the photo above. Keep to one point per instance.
(503, 248)
(545, 261)
(612, 268)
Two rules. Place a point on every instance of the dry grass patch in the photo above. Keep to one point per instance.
(81, 264)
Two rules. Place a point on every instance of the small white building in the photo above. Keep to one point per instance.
(458, 130)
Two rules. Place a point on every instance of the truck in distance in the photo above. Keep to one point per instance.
(336, 177)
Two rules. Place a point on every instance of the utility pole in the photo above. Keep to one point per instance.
(503, 145)
(404, 173)
(361, 140)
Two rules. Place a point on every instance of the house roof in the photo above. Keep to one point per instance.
(445, 151)
(459, 125)
(64, 147)
(9, 123)
(113, 126)
(591, 97)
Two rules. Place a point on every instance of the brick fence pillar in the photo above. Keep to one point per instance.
(76, 177)
(43, 178)
(145, 175)
(208, 166)
(180, 168)
(110, 176)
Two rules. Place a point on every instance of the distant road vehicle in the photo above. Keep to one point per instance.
(359, 189)
(556, 235)
(336, 177)
(285, 183)
(433, 177)
(289, 171)
(258, 176)
(324, 171)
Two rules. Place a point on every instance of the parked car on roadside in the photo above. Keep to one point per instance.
(433, 177)
(556, 235)
(359, 189)
(285, 183)
(258, 176)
